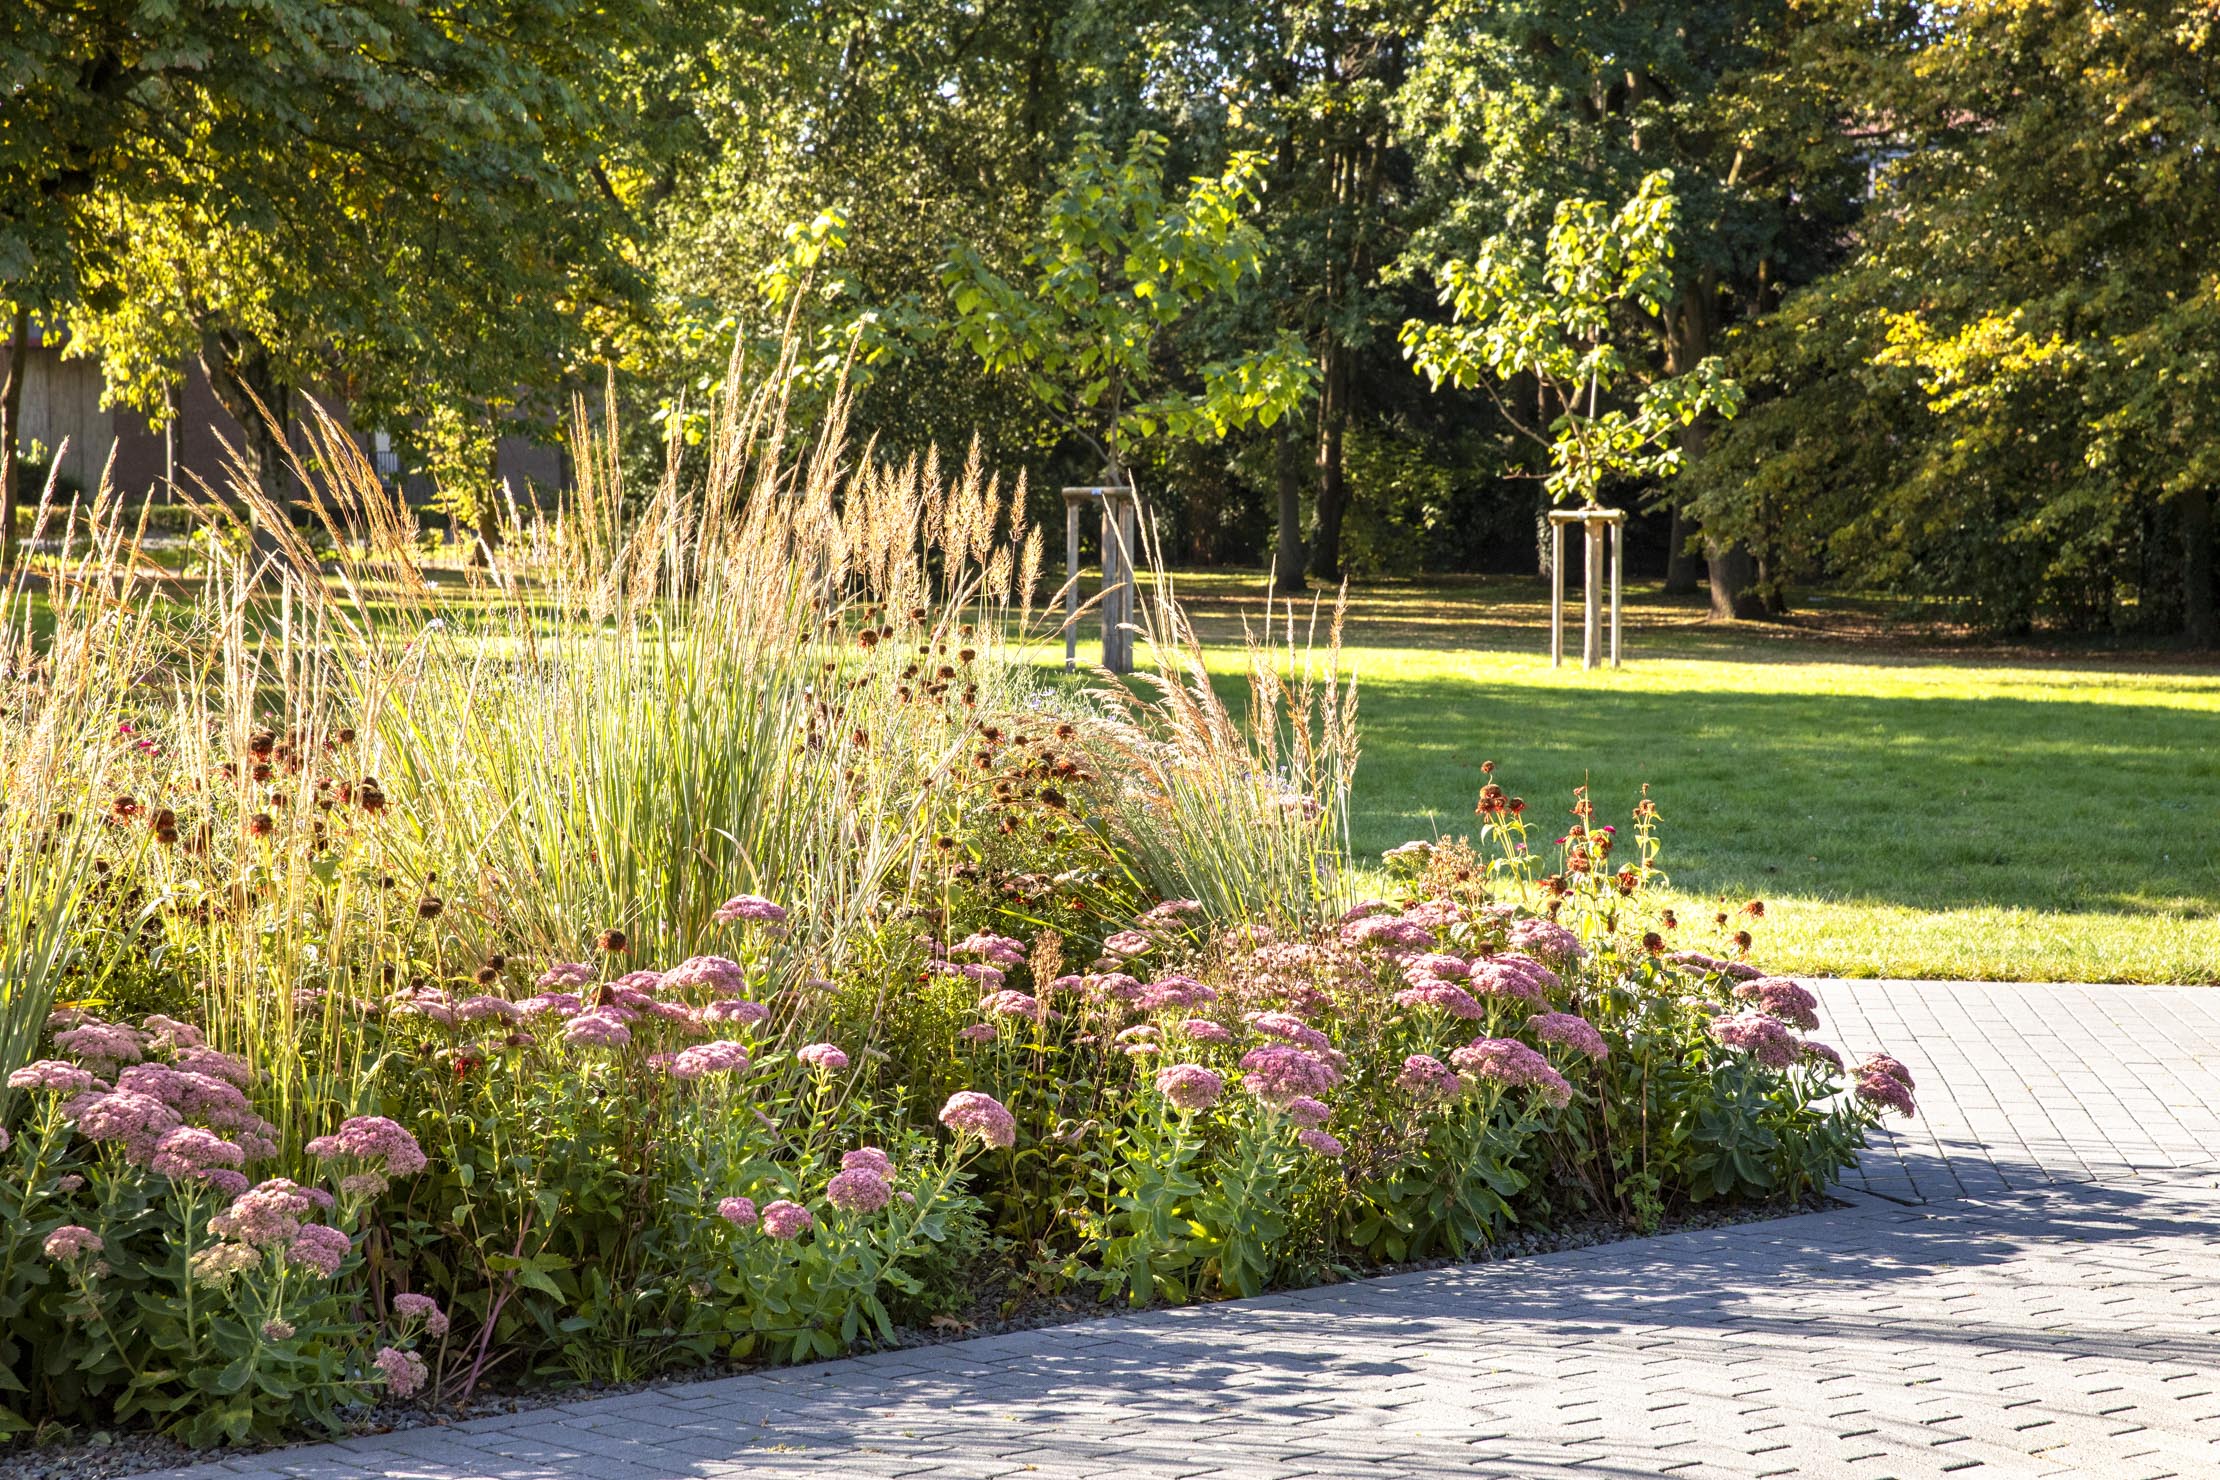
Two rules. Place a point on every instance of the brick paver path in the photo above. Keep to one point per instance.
(2027, 1284)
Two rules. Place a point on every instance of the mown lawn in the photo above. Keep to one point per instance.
(1906, 803)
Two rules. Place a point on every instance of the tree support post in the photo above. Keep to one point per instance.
(1596, 526)
(1120, 597)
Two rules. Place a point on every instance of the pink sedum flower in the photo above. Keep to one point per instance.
(995, 950)
(1203, 1030)
(1568, 1030)
(978, 1033)
(566, 976)
(1427, 1078)
(600, 1028)
(1546, 939)
(786, 1220)
(738, 1211)
(1512, 1065)
(714, 976)
(1779, 997)
(70, 1242)
(404, 1372)
(1279, 1072)
(373, 1138)
(435, 1319)
(719, 1056)
(1288, 1028)
(1307, 1112)
(749, 909)
(1189, 1087)
(320, 1247)
(1319, 1141)
(1886, 1091)
(735, 1011)
(869, 1157)
(1444, 996)
(823, 1057)
(1760, 1035)
(968, 1112)
(1881, 1063)
(54, 1076)
(859, 1189)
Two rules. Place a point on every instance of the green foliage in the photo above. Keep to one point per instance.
(1119, 265)
(1550, 319)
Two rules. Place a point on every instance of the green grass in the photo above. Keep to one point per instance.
(1906, 802)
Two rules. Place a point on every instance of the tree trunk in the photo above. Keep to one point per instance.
(1682, 565)
(247, 385)
(2200, 620)
(1333, 493)
(11, 429)
(1287, 476)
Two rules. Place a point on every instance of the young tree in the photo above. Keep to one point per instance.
(1117, 268)
(1551, 317)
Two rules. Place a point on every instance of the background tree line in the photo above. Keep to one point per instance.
(1958, 256)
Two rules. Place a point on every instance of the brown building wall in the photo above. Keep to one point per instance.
(61, 399)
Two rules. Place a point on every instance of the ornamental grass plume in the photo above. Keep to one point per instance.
(1568, 1030)
(1189, 1087)
(968, 1112)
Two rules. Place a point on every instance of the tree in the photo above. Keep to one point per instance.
(407, 207)
(2005, 395)
(1117, 266)
(1514, 105)
(1549, 317)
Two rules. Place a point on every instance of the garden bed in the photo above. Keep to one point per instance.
(644, 967)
